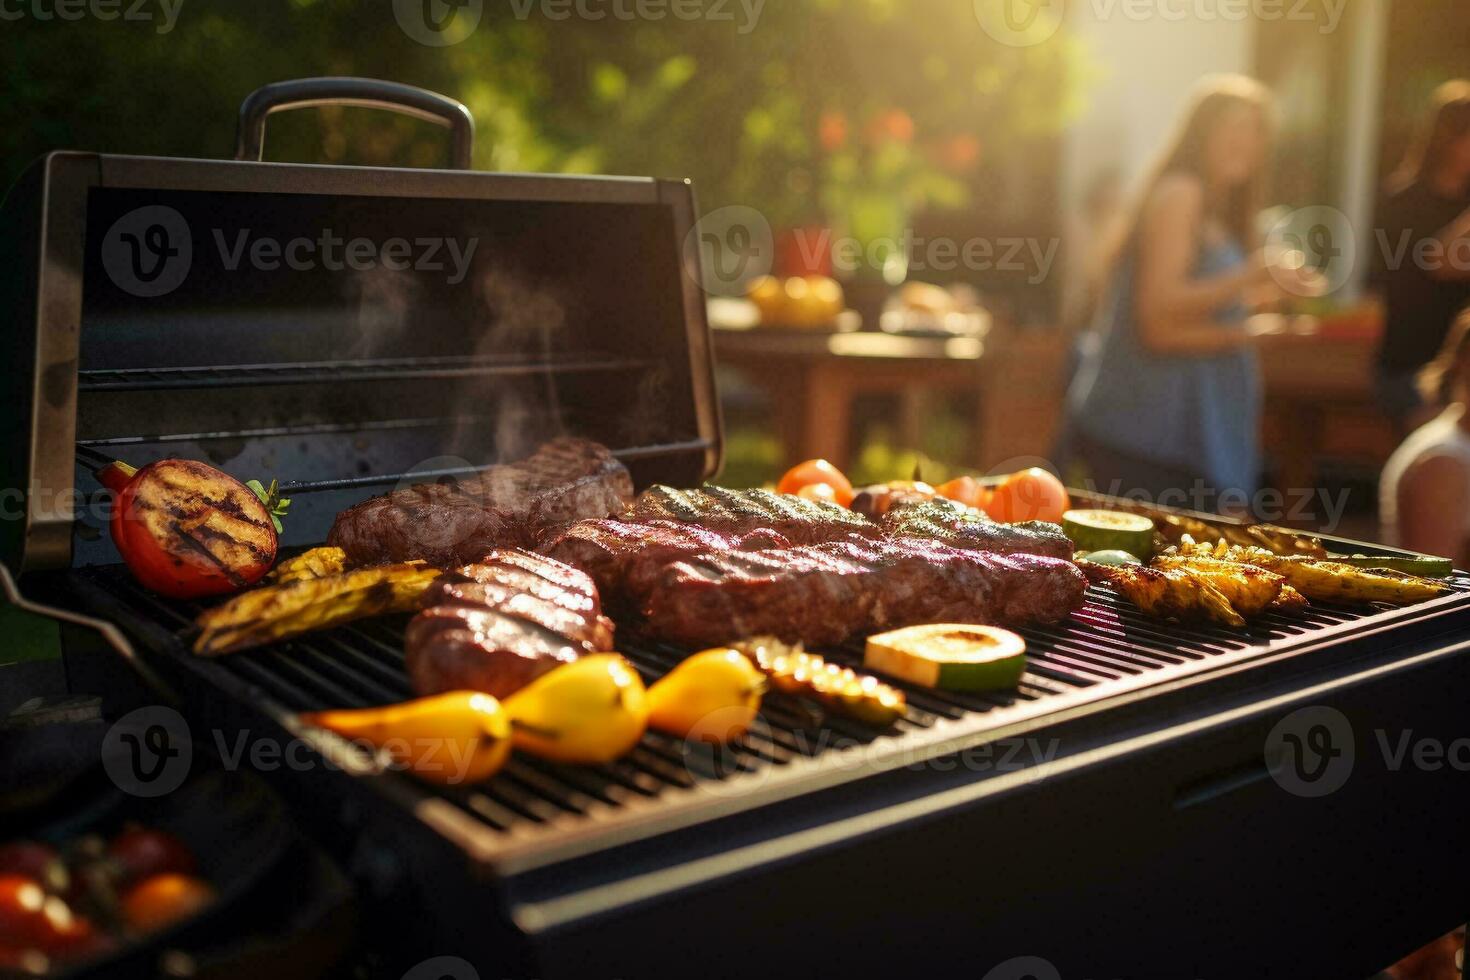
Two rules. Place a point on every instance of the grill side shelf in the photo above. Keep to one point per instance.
(536, 813)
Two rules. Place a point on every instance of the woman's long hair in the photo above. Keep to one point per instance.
(1186, 153)
(1447, 120)
(1442, 380)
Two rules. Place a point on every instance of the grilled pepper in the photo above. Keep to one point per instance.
(588, 711)
(459, 737)
(186, 530)
(712, 696)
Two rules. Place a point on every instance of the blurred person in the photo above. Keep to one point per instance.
(1167, 399)
(1424, 495)
(1425, 208)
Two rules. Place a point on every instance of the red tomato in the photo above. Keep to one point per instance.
(143, 853)
(818, 491)
(162, 900)
(31, 919)
(964, 490)
(186, 530)
(816, 471)
(1030, 495)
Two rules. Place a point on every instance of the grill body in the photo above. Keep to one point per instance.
(1119, 814)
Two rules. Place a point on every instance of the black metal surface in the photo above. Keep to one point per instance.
(536, 812)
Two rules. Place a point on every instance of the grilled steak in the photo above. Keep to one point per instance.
(825, 594)
(502, 506)
(623, 558)
(797, 519)
(497, 625)
(966, 527)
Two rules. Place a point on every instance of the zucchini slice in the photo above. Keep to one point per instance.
(950, 656)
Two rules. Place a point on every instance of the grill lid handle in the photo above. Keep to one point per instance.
(370, 93)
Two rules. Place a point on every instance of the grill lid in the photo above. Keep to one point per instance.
(341, 329)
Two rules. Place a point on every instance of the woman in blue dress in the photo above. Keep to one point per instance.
(1166, 402)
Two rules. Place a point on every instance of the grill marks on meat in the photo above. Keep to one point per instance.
(502, 506)
(965, 527)
(500, 623)
(797, 519)
(825, 594)
(624, 558)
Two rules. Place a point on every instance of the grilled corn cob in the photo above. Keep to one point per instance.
(792, 670)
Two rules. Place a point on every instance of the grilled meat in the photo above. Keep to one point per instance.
(315, 563)
(824, 594)
(966, 527)
(500, 623)
(624, 558)
(508, 505)
(797, 519)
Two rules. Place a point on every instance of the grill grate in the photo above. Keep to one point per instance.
(1106, 647)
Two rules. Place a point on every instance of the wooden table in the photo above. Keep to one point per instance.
(1320, 403)
(813, 377)
(1015, 376)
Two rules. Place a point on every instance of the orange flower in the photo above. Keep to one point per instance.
(892, 124)
(832, 131)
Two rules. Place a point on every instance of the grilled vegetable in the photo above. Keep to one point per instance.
(1110, 530)
(186, 530)
(1167, 593)
(949, 656)
(164, 899)
(1248, 588)
(792, 670)
(459, 737)
(276, 612)
(816, 472)
(965, 490)
(1422, 565)
(591, 710)
(1328, 581)
(875, 501)
(1110, 556)
(712, 696)
(1031, 495)
(1174, 527)
(316, 563)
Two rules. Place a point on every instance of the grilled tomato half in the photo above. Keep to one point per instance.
(186, 530)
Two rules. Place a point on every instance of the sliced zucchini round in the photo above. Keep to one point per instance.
(1110, 530)
(950, 656)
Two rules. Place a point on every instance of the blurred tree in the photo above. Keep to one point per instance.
(739, 107)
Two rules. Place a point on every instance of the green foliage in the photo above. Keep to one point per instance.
(733, 105)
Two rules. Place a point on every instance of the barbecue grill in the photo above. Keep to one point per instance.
(1116, 815)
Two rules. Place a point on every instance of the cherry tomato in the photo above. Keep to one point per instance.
(964, 490)
(143, 853)
(818, 491)
(160, 901)
(816, 471)
(186, 530)
(1030, 495)
(31, 919)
